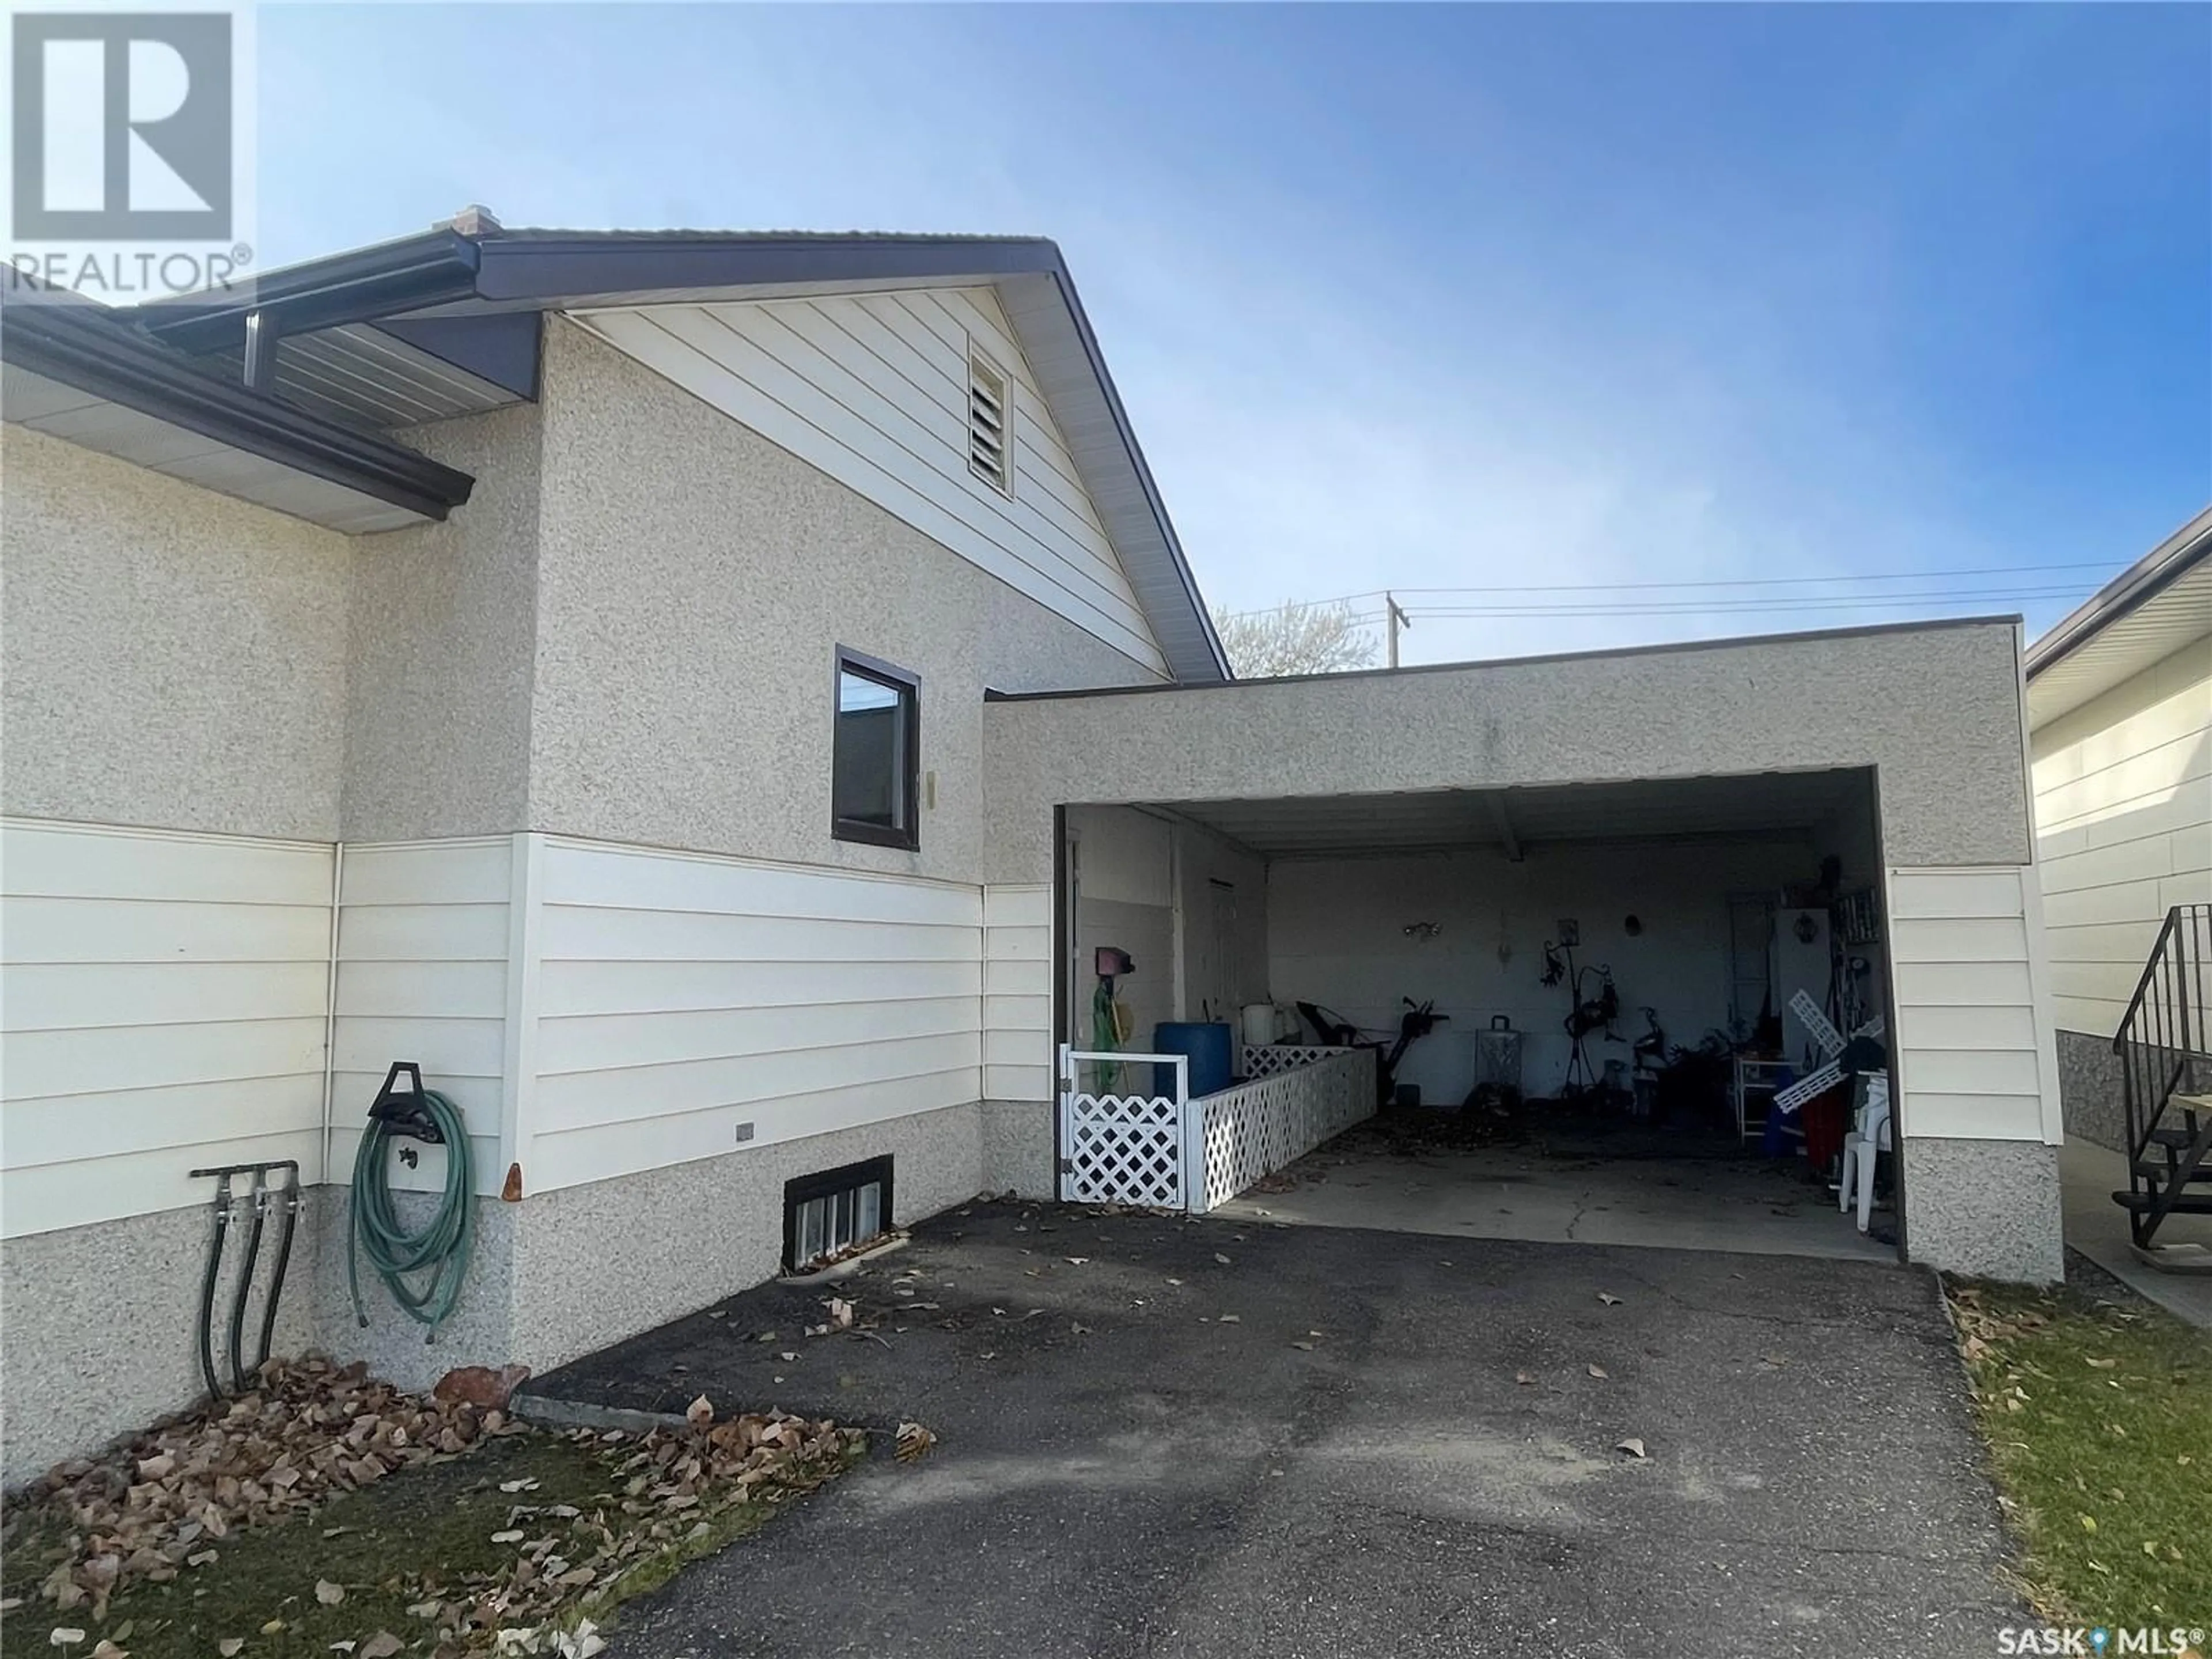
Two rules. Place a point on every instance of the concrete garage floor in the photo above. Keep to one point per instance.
(1571, 1187)
(1132, 1465)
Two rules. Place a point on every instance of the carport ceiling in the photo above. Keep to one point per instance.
(1316, 826)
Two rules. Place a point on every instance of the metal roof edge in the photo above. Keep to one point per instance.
(98, 354)
(359, 285)
(543, 269)
(1669, 648)
(2137, 585)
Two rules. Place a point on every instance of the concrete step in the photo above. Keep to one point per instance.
(2187, 1204)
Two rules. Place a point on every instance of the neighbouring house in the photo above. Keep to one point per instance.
(709, 699)
(2119, 707)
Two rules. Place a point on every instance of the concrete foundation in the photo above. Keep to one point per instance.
(2090, 1089)
(600, 1262)
(1987, 1209)
(103, 1329)
(1017, 1143)
(102, 1322)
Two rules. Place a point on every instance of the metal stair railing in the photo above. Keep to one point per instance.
(2164, 1051)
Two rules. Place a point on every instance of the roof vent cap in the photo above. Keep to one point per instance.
(474, 220)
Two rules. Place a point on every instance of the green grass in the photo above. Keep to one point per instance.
(2099, 1418)
(419, 1531)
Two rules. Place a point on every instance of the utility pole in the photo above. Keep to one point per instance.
(1398, 619)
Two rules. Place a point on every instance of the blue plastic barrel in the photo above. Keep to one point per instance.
(1210, 1047)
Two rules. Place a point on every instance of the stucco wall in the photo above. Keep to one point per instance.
(103, 1322)
(1987, 1209)
(2090, 1090)
(1936, 710)
(694, 579)
(173, 658)
(439, 648)
(599, 1262)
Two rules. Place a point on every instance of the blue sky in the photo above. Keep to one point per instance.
(1437, 297)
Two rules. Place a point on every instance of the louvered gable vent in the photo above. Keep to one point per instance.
(990, 434)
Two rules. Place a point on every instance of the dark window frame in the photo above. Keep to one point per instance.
(907, 685)
(801, 1190)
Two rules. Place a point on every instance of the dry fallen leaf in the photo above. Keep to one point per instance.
(1632, 1446)
(512, 1536)
(382, 1645)
(1608, 1298)
(1600, 1372)
(64, 1636)
(1222, 1259)
(229, 1646)
(1524, 1379)
(1308, 1346)
(1231, 1319)
(912, 1441)
(699, 1412)
(328, 1594)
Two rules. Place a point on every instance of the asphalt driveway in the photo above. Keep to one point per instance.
(1230, 1438)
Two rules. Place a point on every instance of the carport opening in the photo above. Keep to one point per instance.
(1580, 998)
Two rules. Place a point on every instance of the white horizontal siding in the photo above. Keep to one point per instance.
(422, 975)
(873, 390)
(681, 995)
(1973, 1058)
(1017, 993)
(163, 1000)
(2123, 830)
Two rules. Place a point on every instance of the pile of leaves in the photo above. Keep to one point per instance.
(159, 1504)
(289, 1522)
(675, 1488)
(2097, 1412)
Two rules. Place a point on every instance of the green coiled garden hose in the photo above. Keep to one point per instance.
(441, 1248)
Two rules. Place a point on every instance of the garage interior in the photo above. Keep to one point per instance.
(1673, 919)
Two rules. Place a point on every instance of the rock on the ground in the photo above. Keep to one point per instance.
(480, 1385)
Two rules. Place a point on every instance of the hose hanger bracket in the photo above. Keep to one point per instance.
(402, 1110)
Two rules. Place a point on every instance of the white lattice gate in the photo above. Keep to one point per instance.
(1131, 1147)
(1166, 1150)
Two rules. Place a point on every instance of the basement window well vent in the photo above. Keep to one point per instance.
(990, 425)
(829, 1215)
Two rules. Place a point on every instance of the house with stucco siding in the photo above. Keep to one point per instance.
(713, 703)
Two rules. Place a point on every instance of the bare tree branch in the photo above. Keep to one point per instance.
(1294, 639)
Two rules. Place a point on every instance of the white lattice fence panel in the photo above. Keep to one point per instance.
(1265, 1124)
(1265, 1061)
(1121, 1149)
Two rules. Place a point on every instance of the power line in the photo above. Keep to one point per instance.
(1596, 588)
(1694, 607)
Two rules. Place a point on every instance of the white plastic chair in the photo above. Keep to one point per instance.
(1870, 1138)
